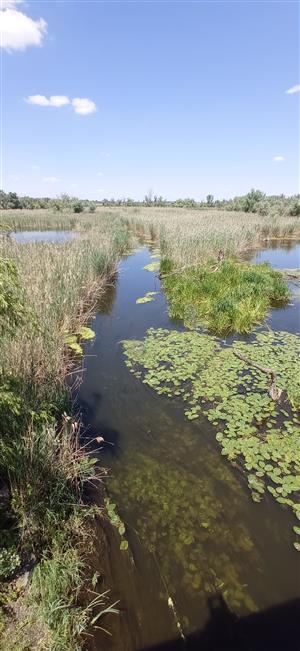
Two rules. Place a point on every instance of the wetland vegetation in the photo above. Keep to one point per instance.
(47, 296)
(49, 292)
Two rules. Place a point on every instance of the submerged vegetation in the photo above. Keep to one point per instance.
(257, 434)
(224, 297)
(197, 550)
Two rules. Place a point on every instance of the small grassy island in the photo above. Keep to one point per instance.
(225, 296)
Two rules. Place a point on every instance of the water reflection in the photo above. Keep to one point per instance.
(281, 254)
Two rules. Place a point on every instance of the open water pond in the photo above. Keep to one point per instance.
(281, 254)
(193, 530)
(54, 237)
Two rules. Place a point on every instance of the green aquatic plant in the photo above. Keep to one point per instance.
(116, 521)
(152, 266)
(227, 297)
(180, 519)
(73, 340)
(149, 296)
(257, 434)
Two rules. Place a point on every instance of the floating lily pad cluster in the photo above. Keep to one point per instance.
(73, 341)
(152, 266)
(149, 296)
(257, 434)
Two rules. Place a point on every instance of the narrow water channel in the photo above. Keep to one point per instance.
(193, 530)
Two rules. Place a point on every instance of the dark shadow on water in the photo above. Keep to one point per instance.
(275, 629)
(91, 432)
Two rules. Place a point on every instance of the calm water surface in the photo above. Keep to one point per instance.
(192, 526)
(55, 237)
(281, 254)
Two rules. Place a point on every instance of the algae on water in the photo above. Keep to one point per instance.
(255, 433)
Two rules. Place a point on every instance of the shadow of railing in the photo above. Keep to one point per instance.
(274, 629)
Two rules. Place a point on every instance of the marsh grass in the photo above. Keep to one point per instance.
(194, 236)
(42, 464)
(61, 285)
(229, 297)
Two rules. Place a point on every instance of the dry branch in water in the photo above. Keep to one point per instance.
(274, 392)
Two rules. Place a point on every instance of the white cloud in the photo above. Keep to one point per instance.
(293, 90)
(18, 31)
(51, 179)
(99, 173)
(58, 100)
(100, 190)
(83, 106)
(54, 100)
(35, 167)
(40, 100)
(278, 159)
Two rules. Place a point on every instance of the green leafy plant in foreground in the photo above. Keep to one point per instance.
(228, 297)
(255, 433)
(55, 592)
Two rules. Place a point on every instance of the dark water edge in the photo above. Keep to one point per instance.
(168, 478)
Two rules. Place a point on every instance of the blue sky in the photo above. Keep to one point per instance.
(190, 98)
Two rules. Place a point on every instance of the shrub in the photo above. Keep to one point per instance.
(78, 207)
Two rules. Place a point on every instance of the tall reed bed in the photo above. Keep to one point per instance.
(194, 236)
(44, 219)
(61, 284)
(43, 468)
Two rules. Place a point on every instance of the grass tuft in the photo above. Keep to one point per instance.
(231, 297)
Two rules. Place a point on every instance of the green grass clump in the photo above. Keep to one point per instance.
(224, 298)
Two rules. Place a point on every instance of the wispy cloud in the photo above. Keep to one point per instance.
(19, 31)
(81, 105)
(51, 179)
(99, 173)
(35, 167)
(278, 159)
(293, 90)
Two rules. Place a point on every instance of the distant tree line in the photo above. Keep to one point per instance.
(254, 201)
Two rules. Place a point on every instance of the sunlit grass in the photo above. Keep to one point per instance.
(229, 297)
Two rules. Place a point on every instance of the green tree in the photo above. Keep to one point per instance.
(252, 200)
